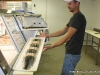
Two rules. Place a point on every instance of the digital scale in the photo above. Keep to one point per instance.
(33, 22)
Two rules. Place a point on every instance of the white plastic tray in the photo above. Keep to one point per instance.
(18, 65)
(22, 73)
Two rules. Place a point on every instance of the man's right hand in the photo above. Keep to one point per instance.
(43, 35)
(47, 47)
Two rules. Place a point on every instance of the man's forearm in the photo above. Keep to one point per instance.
(56, 34)
(61, 41)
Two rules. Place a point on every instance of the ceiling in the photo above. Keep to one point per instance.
(16, 0)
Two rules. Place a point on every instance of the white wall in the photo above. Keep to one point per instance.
(58, 14)
(95, 10)
(87, 9)
(40, 7)
(96, 14)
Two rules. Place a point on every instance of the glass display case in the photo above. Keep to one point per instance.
(14, 31)
(33, 24)
(26, 33)
(31, 49)
(7, 47)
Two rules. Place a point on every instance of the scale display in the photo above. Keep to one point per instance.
(33, 22)
(26, 33)
(14, 31)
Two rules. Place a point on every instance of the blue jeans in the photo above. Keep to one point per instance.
(70, 63)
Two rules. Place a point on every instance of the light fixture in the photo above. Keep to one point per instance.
(9, 11)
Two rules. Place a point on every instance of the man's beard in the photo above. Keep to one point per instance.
(72, 10)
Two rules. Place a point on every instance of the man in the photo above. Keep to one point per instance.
(74, 36)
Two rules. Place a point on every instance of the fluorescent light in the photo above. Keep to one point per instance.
(9, 11)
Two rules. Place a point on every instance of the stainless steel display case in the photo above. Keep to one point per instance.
(21, 46)
(27, 33)
(14, 31)
(31, 32)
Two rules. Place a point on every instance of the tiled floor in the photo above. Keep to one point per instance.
(87, 64)
(52, 61)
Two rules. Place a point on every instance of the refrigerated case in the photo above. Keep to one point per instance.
(14, 31)
(37, 23)
(21, 47)
(7, 48)
(27, 33)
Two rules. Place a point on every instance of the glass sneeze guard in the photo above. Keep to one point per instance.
(14, 32)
